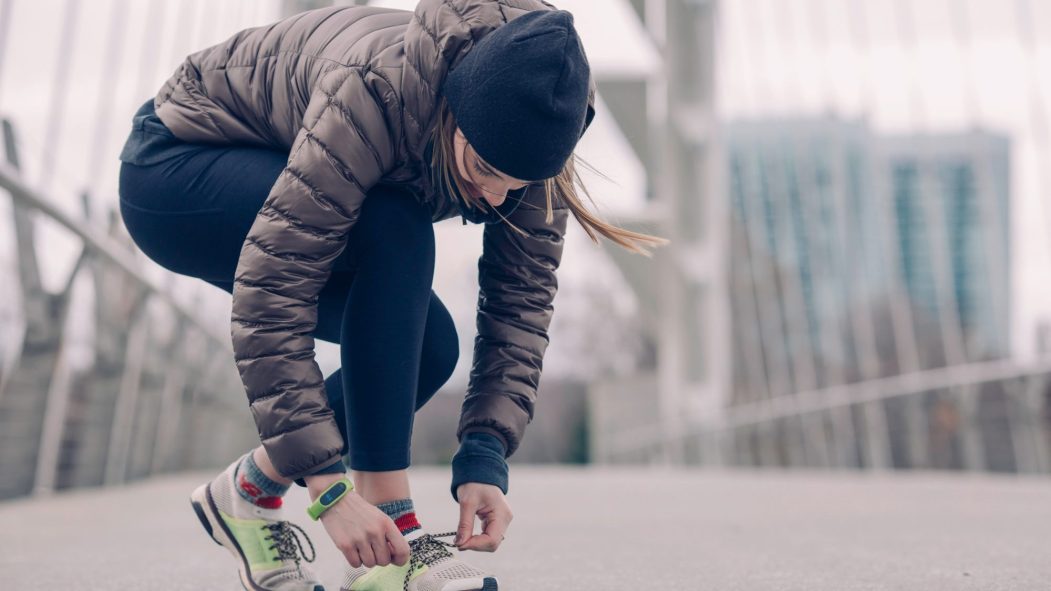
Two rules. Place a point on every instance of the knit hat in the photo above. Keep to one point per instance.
(520, 94)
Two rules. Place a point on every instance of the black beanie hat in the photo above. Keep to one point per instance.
(520, 94)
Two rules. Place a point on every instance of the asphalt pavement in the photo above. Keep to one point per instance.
(597, 528)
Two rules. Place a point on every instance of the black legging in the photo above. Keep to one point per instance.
(397, 341)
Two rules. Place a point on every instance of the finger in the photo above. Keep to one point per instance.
(399, 546)
(466, 526)
(496, 527)
(367, 556)
(480, 542)
(394, 558)
(352, 557)
(379, 549)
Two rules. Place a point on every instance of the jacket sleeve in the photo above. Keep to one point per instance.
(342, 149)
(517, 286)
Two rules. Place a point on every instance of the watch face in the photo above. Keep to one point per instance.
(333, 493)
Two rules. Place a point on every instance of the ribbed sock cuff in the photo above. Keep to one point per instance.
(395, 509)
(256, 487)
(403, 513)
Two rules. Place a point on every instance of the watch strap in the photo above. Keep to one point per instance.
(330, 496)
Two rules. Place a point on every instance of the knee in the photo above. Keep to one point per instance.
(447, 341)
(447, 355)
(441, 351)
(393, 221)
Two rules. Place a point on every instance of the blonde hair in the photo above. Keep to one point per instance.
(565, 184)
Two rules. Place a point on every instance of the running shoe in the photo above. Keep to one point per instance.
(267, 548)
(431, 567)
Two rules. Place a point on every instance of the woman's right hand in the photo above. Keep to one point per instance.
(364, 534)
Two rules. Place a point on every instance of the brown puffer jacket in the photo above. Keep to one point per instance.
(351, 93)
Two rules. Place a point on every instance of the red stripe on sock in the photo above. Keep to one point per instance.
(407, 521)
(269, 502)
(248, 487)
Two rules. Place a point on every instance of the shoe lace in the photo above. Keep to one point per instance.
(287, 543)
(426, 550)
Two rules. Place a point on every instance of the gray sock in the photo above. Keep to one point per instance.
(403, 513)
(256, 487)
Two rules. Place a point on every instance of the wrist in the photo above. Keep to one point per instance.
(479, 459)
(329, 496)
(317, 483)
(497, 436)
(336, 468)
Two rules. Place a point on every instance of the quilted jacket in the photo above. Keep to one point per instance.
(352, 94)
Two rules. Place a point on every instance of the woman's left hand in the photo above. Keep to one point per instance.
(488, 503)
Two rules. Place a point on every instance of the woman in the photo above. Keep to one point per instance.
(250, 170)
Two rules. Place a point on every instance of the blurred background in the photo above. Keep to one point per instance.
(858, 197)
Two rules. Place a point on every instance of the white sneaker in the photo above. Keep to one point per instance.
(431, 567)
(266, 546)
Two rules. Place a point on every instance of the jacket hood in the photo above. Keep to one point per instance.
(440, 34)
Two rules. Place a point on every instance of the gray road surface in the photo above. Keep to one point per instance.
(609, 529)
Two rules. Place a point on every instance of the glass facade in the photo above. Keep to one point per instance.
(845, 244)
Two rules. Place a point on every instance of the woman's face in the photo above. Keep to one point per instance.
(481, 179)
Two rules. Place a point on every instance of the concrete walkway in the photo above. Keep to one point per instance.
(609, 529)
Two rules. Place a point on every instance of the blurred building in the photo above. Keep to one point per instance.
(852, 258)
(825, 218)
(801, 216)
(950, 196)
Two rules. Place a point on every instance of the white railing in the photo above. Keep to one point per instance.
(161, 394)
